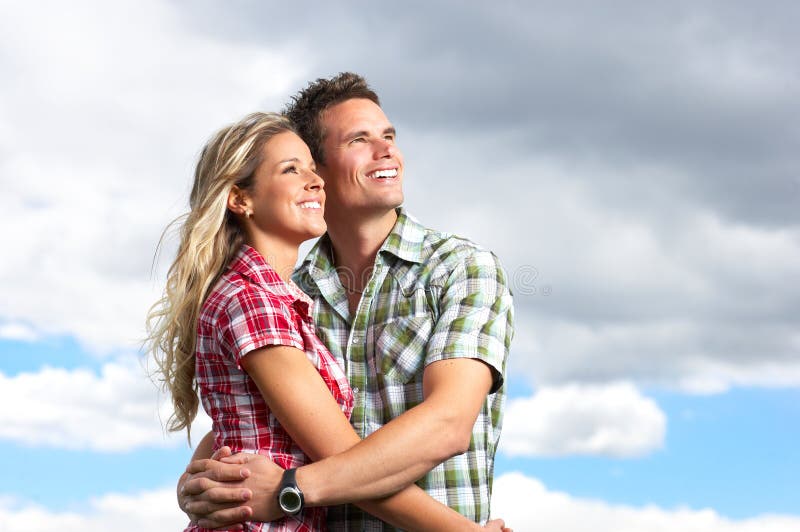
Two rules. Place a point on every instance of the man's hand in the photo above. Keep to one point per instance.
(231, 490)
(263, 477)
(212, 494)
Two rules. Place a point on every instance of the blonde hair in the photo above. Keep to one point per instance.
(210, 235)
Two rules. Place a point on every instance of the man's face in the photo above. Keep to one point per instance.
(363, 168)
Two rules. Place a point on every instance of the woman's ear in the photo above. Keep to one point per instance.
(239, 202)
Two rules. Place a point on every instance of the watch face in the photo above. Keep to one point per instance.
(290, 501)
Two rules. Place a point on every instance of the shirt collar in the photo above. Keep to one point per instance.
(406, 238)
(251, 264)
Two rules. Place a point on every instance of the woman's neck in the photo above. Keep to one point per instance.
(279, 254)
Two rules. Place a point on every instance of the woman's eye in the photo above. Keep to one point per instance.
(290, 170)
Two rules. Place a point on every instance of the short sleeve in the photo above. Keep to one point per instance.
(253, 319)
(476, 315)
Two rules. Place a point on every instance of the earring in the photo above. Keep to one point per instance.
(248, 214)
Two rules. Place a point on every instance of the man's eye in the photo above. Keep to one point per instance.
(358, 139)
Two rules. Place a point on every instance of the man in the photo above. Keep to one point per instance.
(421, 321)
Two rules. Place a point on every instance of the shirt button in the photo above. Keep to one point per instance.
(356, 390)
(356, 339)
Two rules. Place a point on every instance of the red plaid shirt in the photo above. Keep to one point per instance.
(249, 308)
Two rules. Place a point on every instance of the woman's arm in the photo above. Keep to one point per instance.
(298, 397)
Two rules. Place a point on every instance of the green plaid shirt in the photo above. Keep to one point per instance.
(431, 296)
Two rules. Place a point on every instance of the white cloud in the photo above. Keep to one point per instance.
(114, 411)
(526, 504)
(17, 331)
(156, 511)
(103, 109)
(610, 420)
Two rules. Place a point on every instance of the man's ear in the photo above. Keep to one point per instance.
(239, 202)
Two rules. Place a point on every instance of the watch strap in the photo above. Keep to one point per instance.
(288, 488)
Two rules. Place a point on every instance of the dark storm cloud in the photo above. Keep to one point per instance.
(706, 89)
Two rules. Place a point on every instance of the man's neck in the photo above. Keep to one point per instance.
(356, 241)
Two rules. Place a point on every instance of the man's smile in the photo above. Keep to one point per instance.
(382, 174)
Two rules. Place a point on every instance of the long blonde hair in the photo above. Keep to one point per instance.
(210, 235)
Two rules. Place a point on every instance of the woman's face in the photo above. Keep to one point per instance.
(287, 199)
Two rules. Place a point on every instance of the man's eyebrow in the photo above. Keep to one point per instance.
(354, 134)
(364, 133)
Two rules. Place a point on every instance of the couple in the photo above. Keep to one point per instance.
(365, 395)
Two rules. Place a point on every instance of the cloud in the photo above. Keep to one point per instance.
(116, 410)
(696, 88)
(644, 172)
(612, 420)
(104, 108)
(526, 504)
(642, 287)
(17, 331)
(149, 510)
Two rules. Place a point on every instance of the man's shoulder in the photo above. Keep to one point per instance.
(442, 246)
(444, 258)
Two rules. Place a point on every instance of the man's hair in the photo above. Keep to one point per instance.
(306, 108)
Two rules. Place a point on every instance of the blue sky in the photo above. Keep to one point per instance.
(634, 167)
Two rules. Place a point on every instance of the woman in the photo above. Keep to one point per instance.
(232, 324)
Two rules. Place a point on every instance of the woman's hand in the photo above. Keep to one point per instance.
(496, 525)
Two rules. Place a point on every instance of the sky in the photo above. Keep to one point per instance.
(635, 166)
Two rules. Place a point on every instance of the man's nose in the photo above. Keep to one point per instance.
(385, 148)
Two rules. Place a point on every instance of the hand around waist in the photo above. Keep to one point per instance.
(227, 490)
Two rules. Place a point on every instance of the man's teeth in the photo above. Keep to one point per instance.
(384, 173)
(310, 205)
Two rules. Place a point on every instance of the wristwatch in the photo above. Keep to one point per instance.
(290, 498)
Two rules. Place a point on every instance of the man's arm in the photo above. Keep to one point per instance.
(300, 400)
(410, 445)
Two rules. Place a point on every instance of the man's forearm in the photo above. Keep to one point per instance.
(407, 447)
(384, 463)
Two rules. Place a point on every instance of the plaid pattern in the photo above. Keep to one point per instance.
(249, 308)
(432, 296)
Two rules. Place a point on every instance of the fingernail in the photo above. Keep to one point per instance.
(244, 472)
(245, 495)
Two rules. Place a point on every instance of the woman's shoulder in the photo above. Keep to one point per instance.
(238, 294)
